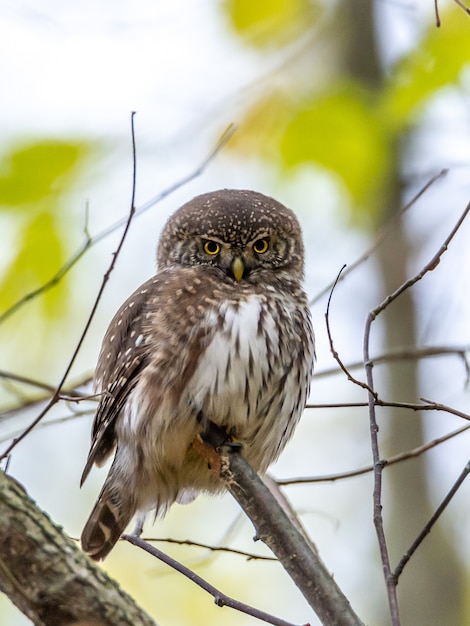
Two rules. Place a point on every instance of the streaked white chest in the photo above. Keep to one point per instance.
(238, 363)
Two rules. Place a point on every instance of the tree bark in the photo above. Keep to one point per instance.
(48, 577)
(274, 528)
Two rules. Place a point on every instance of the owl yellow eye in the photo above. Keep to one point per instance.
(261, 246)
(211, 247)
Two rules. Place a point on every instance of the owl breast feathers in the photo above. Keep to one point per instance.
(221, 333)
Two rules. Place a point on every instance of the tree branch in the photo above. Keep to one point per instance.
(220, 598)
(274, 528)
(48, 577)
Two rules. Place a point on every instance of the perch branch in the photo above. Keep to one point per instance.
(275, 529)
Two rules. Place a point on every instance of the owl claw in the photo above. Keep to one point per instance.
(218, 436)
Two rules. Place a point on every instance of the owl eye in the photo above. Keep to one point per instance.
(261, 246)
(211, 247)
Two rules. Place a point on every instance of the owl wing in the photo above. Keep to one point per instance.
(123, 355)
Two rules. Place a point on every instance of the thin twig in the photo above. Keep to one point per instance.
(53, 422)
(397, 458)
(412, 406)
(63, 271)
(427, 529)
(250, 556)
(91, 241)
(377, 492)
(383, 234)
(462, 6)
(330, 338)
(220, 598)
(390, 578)
(71, 391)
(429, 267)
(26, 381)
(404, 354)
(55, 396)
(436, 12)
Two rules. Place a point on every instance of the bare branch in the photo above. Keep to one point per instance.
(70, 392)
(17, 378)
(219, 598)
(429, 267)
(91, 241)
(56, 395)
(431, 406)
(462, 6)
(457, 2)
(427, 529)
(250, 556)
(275, 530)
(397, 458)
(405, 354)
(377, 492)
(383, 234)
(390, 578)
(330, 339)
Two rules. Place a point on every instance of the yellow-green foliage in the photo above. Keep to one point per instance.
(35, 182)
(336, 121)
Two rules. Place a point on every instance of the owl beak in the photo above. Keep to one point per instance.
(238, 267)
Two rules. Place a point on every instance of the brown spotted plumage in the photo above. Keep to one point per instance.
(222, 333)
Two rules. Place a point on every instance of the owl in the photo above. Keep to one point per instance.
(221, 333)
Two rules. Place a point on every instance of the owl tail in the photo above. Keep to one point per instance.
(105, 525)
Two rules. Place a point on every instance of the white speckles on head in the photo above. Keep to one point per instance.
(139, 340)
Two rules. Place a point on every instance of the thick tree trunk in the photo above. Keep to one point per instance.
(46, 574)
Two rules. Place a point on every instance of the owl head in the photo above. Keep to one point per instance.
(243, 234)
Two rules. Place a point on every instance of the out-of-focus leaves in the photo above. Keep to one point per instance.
(263, 127)
(34, 171)
(436, 63)
(350, 131)
(271, 22)
(41, 252)
(340, 133)
(35, 184)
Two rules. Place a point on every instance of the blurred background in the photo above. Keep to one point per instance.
(344, 110)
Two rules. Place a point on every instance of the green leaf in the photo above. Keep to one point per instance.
(339, 132)
(32, 172)
(41, 252)
(436, 63)
(265, 22)
(35, 182)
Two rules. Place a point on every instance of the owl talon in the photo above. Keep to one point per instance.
(139, 525)
(218, 436)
